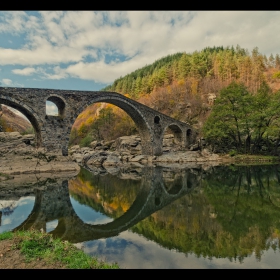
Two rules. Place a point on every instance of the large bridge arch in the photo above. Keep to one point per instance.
(127, 106)
(29, 113)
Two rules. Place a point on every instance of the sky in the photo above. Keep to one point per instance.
(88, 50)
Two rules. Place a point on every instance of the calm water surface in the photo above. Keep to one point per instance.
(219, 217)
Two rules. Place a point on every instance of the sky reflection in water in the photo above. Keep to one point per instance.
(134, 250)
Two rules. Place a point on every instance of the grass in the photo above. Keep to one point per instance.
(6, 176)
(35, 244)
(256, 158)
(6, 235)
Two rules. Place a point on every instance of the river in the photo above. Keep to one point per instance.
(156, 217)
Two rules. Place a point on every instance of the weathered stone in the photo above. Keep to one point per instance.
(168, 142)
(168, 136)
(112, 159)
(137, 158)
(84, 150)
(93, 144)
(194, 147)
(205, 152)
(96, 161)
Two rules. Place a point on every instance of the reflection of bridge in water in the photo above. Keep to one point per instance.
(53, 203)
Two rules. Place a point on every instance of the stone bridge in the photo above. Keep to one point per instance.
(52, 132)
(54, 203)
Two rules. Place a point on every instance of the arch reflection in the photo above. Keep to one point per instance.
(223, 212)
(53, 203)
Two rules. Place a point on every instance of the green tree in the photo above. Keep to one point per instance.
(277, 61)
(264, 112)
(229, 116)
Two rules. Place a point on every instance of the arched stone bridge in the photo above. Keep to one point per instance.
(52, 132)
(54, 203)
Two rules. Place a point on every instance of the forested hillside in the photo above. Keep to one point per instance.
(9, 121)
(181, 85)
(217, 64)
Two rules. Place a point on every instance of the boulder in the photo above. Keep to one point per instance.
(112, 160)
(127, 142)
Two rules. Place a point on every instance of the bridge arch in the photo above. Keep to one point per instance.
(127, 106)
(174, 187)
(59, 102)
(29, 113)
(177, 132)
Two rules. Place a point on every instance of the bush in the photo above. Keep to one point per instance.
(232, 153)
(86, 141)
(29, 130)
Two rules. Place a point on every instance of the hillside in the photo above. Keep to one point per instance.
(182, 85)
(13, 122)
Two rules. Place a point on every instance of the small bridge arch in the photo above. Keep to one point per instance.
(59, 102)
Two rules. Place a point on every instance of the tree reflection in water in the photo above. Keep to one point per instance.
(227, 212)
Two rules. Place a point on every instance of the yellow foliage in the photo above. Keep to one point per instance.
(181, 82)
(89, 121)
(168, 89)
(194, 86)
(9, 129)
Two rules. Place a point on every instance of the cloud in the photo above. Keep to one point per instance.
(7, 82)
(13, 22)
(57, 75)
(25, 71)
(103, 72)
(51, 109)
(92, 42)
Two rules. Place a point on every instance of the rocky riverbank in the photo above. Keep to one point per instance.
(18, 155)
(128, 149)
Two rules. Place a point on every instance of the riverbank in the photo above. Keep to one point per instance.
(38, 250)
(18, 156)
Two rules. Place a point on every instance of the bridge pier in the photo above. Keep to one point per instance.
(55, 134)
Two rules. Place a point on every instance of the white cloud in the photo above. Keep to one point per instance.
(13, 22)
(58, 74)
(25, 71)
(141, 37)
(51, 109)
(105, 73)
(7, 82)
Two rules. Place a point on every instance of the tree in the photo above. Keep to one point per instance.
(277, 61)
(184, 66)
(229, 116)
(271, 60)
(262, 115)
